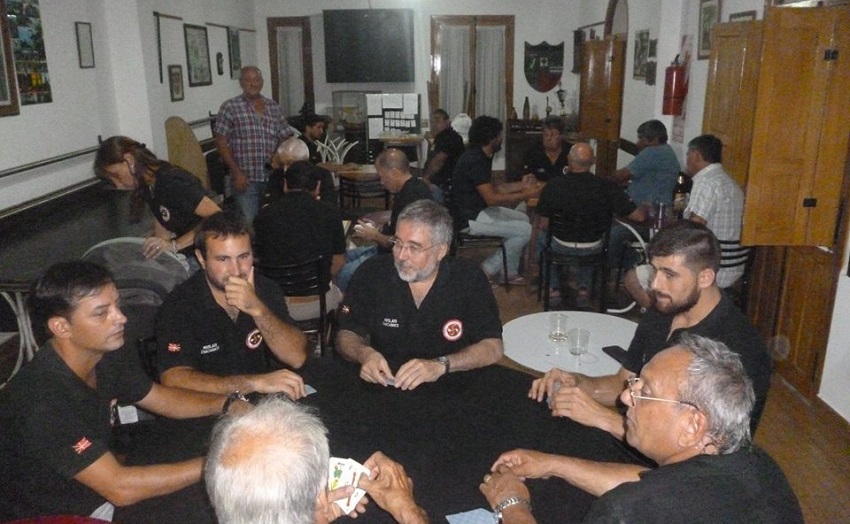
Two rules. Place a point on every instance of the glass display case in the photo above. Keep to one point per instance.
(349, 122)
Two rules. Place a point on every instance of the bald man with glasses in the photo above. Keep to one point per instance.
(688, 411)
(413, 316)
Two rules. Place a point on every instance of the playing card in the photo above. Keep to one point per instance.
(347, 472)
(310, 389)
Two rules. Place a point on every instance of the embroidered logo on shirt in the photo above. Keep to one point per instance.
(255, 338)
(82, 445)
(173, 347)
(209, 348)
(345, 309)
(390, 322)
(453, 330)
(164, 213)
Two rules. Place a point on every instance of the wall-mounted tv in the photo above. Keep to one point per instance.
(368, 45)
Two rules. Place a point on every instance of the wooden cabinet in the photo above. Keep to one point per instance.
(802, 125)
(798, 171)
(729, 104)
(520, 136)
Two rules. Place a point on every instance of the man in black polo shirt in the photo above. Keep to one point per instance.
(214, 329)
(393, 168)
(548, 158)
(444, 153)
(587, 203)
(423, 315)
(300, 227)
(686, 257)
(57, 413)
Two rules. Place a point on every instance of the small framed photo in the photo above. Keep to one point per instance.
(743, 16)
(234, 52)
(197, 55)
(709, 14)
(175, 82)
(85, 47)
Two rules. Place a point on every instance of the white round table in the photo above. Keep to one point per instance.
(526, 341)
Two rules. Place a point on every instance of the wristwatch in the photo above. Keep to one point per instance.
(230, 399)
(508, 502)
(444, 360)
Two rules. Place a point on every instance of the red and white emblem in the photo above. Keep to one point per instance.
(255, 338)
(164, 213)
(453, 330)
(173, 347)
(82, 445)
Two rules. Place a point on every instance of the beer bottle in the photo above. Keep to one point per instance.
(681, 194)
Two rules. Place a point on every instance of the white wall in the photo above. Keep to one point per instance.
(836, 367)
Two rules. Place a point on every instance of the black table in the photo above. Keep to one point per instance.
(446, 435)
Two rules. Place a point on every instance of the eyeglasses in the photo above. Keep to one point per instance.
(633, 380)
(413, 249)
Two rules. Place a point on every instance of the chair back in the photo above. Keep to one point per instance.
(302, 279)
(733, 254)
(353, 192)
(562, 225)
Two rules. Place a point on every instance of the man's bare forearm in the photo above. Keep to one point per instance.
(596, 478)
(483, 353)
(287, 342)
(352, 346)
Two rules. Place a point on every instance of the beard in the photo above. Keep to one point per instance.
(410, 274)
(674, 308)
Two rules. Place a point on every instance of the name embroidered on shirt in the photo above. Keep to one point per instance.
(210, 348)
(390, 322)
(82, 445)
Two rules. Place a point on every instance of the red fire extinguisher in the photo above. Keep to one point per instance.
(675, 88)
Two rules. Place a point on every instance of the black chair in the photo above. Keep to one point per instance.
(352, 193)
(304, 279)
(732, 255)
(559, 226)
(462, 238)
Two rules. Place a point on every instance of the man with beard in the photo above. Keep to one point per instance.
(213, 331)
(414, 316)
(685, 257)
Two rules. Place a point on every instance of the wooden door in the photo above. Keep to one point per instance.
(803, 317)
(276, 28)
(601, 98)
(730, 100)
(801, 131)
(601, 91)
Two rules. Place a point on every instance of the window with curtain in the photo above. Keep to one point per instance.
(291, 62)
(472, 64)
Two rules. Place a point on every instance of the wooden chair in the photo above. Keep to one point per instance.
(304, 279)
(558, 226)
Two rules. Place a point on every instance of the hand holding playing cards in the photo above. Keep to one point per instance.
(417, 371)
(280, 381)
(546, 385)
(575, 403)
(375, 369)
(333, 510)
(391, 488)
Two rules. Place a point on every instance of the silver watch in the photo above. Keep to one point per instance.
(444, 360)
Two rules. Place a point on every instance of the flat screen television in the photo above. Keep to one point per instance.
(368, 45)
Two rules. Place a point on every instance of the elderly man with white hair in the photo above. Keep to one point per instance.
(287, 153)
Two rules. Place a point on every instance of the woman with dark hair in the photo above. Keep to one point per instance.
(176, 198)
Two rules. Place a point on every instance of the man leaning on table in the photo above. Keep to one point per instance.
(213, 330)
(58, 412)
(416, 315)
(685, 257)
(689, 411)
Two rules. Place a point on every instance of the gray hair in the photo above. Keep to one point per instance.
(294, 149)
(268, 465)
(719, 387)
(432, 215)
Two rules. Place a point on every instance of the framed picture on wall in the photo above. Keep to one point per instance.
(233, 51)
(8, 87)
(175, 82)
(197, 55)
(641, 53)
(85, 47)
(709, 14)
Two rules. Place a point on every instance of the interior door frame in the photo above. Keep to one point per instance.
(303, 22)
